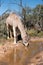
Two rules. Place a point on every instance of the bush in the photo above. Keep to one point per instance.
(40, 34)
(32, 32)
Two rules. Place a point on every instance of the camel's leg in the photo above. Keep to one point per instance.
(23, 33)
(11, 34)
(14, 32)
(8, 31)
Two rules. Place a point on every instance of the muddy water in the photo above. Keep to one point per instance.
(11, 54)
(25, 54)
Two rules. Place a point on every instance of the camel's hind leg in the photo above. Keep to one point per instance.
(14, 32)
(8, 31)
(11, 32)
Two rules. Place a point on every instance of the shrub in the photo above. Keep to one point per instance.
(40, 34)
(32, 32)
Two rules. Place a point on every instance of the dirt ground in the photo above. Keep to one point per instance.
(11, 54)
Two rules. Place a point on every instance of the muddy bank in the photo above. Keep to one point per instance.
(36, 39)
(11, 54)
(6, 54)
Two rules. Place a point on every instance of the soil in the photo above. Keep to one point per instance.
(18, 54)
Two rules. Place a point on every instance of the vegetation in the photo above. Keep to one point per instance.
(35, 16)
(34, 33)
(33, 21)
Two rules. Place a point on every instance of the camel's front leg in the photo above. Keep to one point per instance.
(14, 31)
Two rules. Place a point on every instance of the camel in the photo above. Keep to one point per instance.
(14, 21)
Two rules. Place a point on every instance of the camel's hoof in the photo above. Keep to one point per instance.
(15, 44)
(8, 38)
